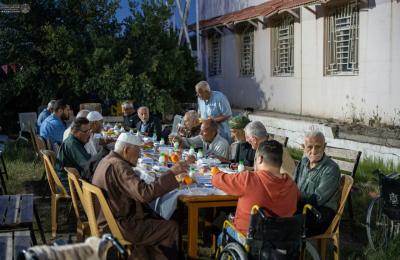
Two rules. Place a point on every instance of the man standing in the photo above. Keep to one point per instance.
(44, 114)
(130, 116)
(148, 124)
(53, 126)
(128, 196)
(214, 105)
(318, 178)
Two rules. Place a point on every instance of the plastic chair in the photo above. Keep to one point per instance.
(26, 121)
(58, 190)
(89, 192)
(82, 225)
(177, 120)
(346, 182)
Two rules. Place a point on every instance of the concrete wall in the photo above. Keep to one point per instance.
(375, 92)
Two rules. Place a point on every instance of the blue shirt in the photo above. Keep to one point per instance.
(216, 105)
(53, 129)
(42, 116)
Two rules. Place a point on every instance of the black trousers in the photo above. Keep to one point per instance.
(316, 226)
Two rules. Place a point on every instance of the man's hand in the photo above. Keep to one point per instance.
(190, 159)
(180, 167)
(173, 138)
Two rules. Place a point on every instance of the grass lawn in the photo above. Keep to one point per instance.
(25, 177)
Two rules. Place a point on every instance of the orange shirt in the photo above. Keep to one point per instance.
(278, 194)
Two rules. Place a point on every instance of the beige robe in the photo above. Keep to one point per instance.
(128, 197)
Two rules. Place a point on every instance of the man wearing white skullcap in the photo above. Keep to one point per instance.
(94, 146)
(128, 196)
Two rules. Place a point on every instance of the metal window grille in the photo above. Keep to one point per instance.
(214, 65)
(247, 53)
(341, 40)
(283, 47)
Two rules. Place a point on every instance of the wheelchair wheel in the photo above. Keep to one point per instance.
(233, 251)
(378, 224)
(311, 252)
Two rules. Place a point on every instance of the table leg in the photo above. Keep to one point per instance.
(39, 224)
(193, 221)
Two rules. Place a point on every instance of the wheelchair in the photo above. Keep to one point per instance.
(383, 214)
(274, 238)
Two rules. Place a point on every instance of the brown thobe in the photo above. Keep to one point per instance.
(128, 196)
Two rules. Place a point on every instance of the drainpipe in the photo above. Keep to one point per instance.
(301, 61)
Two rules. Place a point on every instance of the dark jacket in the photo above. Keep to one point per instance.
(131, 121)
(152, 126)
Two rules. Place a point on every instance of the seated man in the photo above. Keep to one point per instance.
(72, 153)
(318, 178)
(53, 127)
(82, 113)
(148, 125)
(256, 133)
(95, 144)
(45, 114)
(128, 196)
(240, 149)
(131, 118)
(191, 125)
(209, 140)
(265, 187)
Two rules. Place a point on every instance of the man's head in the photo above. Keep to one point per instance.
(50, 106)
(314, 146)
(61, 109)
(208, 130)
(191, 119)
(269, 156)
(203, 90)
(237, 125)
(83, 113)
(144, 114)
(96, 121)
(128, 147)
(255, 133)
(80, 128)
(127, 108)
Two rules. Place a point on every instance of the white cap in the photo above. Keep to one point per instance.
(94, 116)
(130, 139)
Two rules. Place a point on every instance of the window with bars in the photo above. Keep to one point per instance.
(282, 42)
(214, 57)
(247, 53)
(341, 40)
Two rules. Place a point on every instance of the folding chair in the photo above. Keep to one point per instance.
(57, 189)
(82, 225)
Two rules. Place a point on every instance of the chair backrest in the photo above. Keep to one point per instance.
(40, 143)
(55, 184)
(26, 120)
(346, 159)
(282, 139)
(346, 182)
(113, 119)
(75, 190)
(90, 192)
(177, 120)
(91, 106)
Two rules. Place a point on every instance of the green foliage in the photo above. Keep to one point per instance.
(77, 48)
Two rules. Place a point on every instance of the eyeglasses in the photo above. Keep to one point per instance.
(86, 131)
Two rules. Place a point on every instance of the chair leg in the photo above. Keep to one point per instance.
(4, 165)
(336, 247)
(39, 224)
(79, 231)
(54, 207)
(33, 237)
(322, 248)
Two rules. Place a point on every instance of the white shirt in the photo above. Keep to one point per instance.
(219, 146)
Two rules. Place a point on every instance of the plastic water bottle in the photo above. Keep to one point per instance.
(162, 142)
(191, 150)
(176, 146)
(192, 172)
(241, 166)
(161, 159)
(200, 154)
(154, 137)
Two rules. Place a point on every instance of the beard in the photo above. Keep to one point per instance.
(64, 116)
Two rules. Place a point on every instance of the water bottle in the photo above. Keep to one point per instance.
(154, 137)
(191, 150)
(176, 146)
(192, 172)
(200, 154)
(161, 159)
(162, 142)
(241, 166)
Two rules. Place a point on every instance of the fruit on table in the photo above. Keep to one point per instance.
(214, 170)
(174, 157)
(187, 180)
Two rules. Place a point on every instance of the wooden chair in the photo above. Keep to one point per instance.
(57, 189)
(32, 133)
(348, 161)
(82, 225)
(282, 139)
(89, 192)
(332, 232)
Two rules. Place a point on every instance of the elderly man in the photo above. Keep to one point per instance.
(53, 126)
(72, 152)
(128, 196)
(191, 125)
(44, 114)
(130, 116)
(82, 113)
(96, 143)
(209, 140)
(214, 105)
(148, 124)
(240, 149)
(318, 178)
(256, 133)
(266, 187)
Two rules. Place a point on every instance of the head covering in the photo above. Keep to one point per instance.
(130, 139)
(94, 116)
(238, 122)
